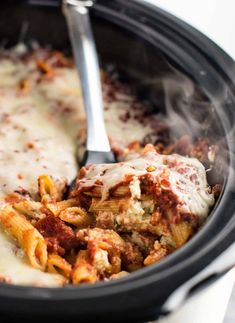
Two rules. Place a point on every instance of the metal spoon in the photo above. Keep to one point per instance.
(77, 15)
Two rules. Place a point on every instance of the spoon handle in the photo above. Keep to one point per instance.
(86, 60)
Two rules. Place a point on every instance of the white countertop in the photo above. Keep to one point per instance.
(216, 19)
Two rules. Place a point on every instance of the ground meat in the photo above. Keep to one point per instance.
(200, 150)
(105, 220)
(104, 248)
(53, 246)
(216, 190)
(132, 257)
(53, 227)
(84, 200)
(158, 252)
(144, 241)
(109, 237)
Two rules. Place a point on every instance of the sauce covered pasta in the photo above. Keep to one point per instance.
(119, 217)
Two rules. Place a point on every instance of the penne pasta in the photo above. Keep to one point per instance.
(47, 188)
(30, 209)
(31, 241)
(83, 271)
(181, 232)
(58, 265)
(94, 191)
(121, 274)
(156, 254)
(120, 191)
(114, 205)
(76, 216)
(57, 207)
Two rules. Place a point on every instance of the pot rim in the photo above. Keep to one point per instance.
(177, 265)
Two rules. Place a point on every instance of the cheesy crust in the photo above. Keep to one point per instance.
(119, 217)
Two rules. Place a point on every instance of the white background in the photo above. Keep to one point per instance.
(215, 18)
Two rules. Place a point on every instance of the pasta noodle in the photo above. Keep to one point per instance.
(76, 216)
(31, 241)
(58, 265)
(120, 191)
(181, 232)
(47, 188)
(57, 207)
(83, 271)
(121, 274)
(114, 205)
(30, 209)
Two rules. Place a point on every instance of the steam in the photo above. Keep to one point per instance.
(188, 111)
(178, 94)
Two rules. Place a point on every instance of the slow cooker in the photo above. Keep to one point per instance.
(146, 44)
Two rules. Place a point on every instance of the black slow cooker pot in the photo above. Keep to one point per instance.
(144, 43)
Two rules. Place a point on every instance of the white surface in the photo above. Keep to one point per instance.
(215, 18)
(230, 314)
(207, 307)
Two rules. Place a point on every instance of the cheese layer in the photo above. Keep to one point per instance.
(184, 177)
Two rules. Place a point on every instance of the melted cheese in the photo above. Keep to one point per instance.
(39, 134)
(124, 132)
(40, 130)
(14, 266)
(186, 178)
